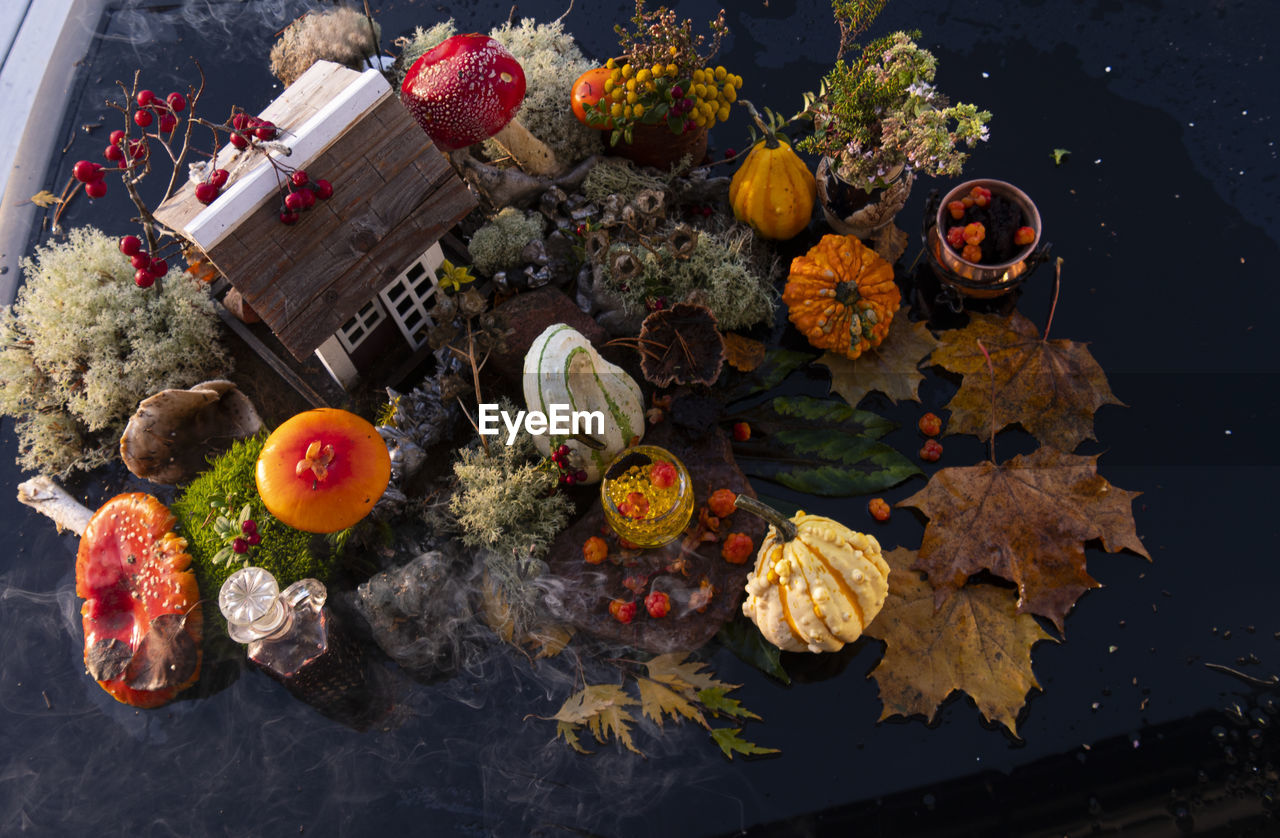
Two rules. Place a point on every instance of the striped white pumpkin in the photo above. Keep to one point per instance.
(563, 368)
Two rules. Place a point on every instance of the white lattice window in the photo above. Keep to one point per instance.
(410, 295)
(362, 323)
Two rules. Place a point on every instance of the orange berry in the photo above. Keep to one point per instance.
(621, 611)
(972, 253)
(741, 431)
(1024, 236)
(721, 502)
(930, 424)
(595, 550)
(956, 208)
(932, 451)
(974, 233)
(878, 509)
(657, 604)
(737, 548)
(663, 474)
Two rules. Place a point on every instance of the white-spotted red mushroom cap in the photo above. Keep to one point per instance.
(464, 91)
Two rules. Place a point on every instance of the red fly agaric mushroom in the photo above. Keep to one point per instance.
(469, 89)
(141, 616)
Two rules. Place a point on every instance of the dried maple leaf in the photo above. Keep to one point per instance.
(743, 354)
(600, 708)
(715, 700)
(1025, 520)
(976, 642)
(657, 699)
(893, 368)
(672, 670)
(44, 198)
(1052, 388)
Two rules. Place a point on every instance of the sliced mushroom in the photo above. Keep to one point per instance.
(173, 433)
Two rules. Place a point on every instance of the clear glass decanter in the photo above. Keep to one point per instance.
(293, 638)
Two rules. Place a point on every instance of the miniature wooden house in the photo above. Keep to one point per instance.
(364, 256)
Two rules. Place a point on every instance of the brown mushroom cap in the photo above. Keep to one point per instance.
(173, 432)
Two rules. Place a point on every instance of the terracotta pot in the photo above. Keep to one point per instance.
(860, 209)
(656, 146)
(979, 279)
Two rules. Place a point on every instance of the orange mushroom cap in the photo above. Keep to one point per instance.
(323, 470)
(132, 570)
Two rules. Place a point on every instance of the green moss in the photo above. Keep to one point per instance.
(498, 244)
(289, 554)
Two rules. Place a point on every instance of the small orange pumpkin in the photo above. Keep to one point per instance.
(323, 470)
(841, 296)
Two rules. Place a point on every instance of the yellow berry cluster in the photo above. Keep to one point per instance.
(663, 92)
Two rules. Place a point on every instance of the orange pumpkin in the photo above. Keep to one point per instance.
(586, 91)
(841, 296)
(323, 470)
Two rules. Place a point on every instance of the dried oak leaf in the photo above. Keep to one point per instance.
(743, 354)
(893, 368)
(1025, 520)
(681, 345)
(1052, 388)
(976, 642)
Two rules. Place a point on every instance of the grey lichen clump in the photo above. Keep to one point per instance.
(342, 35)
(718, 271)
(499, 243)
(551, 61)
(83, 345)
(506, 506)
(616, 176)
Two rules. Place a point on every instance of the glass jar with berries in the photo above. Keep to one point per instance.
(984, 237)
(647, 496)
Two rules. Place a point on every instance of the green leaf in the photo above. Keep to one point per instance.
(777, 365)
(741, 637)
(730, 743)
(223, 556)
(1059, 154)
(879, 468)
(243, 516)
(675, 124)
(714, 699)
(821, 446)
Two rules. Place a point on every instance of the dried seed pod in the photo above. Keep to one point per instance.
(650, 202)
(683, 240)
(596, 245)
(471, 302)
(624, 266)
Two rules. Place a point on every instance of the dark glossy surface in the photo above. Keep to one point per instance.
(1166, 216)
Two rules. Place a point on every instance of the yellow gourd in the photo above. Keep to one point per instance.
(774, 191)
(816, 583)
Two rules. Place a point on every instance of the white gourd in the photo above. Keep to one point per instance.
(563, 368)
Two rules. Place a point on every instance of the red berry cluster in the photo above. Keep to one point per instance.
(162, 112)
(124, 156)
(251, 537)
(91, 175)
(208, 190)
(148, 268)
(302, 196)
(250, 128)
(568, 476)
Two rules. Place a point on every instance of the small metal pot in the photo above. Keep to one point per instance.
(973, 279)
